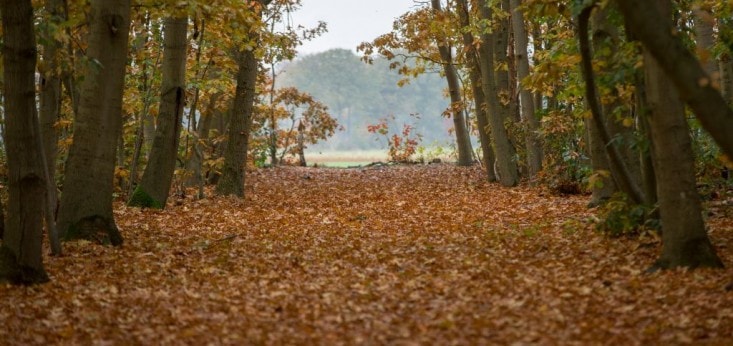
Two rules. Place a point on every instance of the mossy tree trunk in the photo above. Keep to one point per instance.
(154, 187)
(86, 202)
(21, 260)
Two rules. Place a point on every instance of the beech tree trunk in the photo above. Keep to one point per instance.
(50, 93)
(476, 87)
(506, 166)
(502, 64)
(604, 187)
(704, 40)
(685, 241)
(86, 202)
(694, 85)
(154, 187)
(194, 165)
(463, 138)
(231, 181)
(21, 259)
(526, 99)
(619, 168)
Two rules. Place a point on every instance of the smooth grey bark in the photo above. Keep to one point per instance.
(472, 62)
(506, 166)
(503, 66)
(86, 202)
(684, 238)
(463, 138)
(693, 83)
(526, 99)
(21, 259)
(154, 187)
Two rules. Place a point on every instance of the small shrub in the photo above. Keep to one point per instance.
(619, 217)
(401, 146)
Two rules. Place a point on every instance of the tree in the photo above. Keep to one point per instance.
(506, 165)
(472, 62)
(21, 260)
(685, 240)
(156, 182)
(50, 88)
(297, 119)
(619, 167)
(463, 139)
(86, 201)
(240, 122)
(695, 86)
(532, 124)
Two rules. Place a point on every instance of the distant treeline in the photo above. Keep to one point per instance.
(358, 95)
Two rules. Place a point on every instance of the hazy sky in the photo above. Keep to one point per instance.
(350, 22)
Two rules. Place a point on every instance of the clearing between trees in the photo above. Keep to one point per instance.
(382, 255)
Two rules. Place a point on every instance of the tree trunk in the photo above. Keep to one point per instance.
(619, 169)
(521, 41)
(463, 138)
(693, 83)
(21, 259)
(194, 165)
(502, 62)
(704, 41)
(219, 124)
(86, 202)
(646, 158)
(50, 91)
(603, 186)
(154, 187)
(231, 181)
(476, 87)
(685, 241)
(301, 145)
(506, 165)
(726, 69)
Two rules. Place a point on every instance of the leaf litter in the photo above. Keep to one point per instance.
(383, 255)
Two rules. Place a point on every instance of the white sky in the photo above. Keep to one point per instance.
(350, 22)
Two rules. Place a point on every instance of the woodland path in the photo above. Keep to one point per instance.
(382, 255)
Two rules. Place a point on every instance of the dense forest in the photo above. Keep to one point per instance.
(586, 138)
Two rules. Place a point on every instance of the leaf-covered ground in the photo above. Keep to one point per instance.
(384, 255)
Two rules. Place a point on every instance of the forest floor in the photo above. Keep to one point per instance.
(381, 255)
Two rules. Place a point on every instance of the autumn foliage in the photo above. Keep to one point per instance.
(401, 146)
(385, 255)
